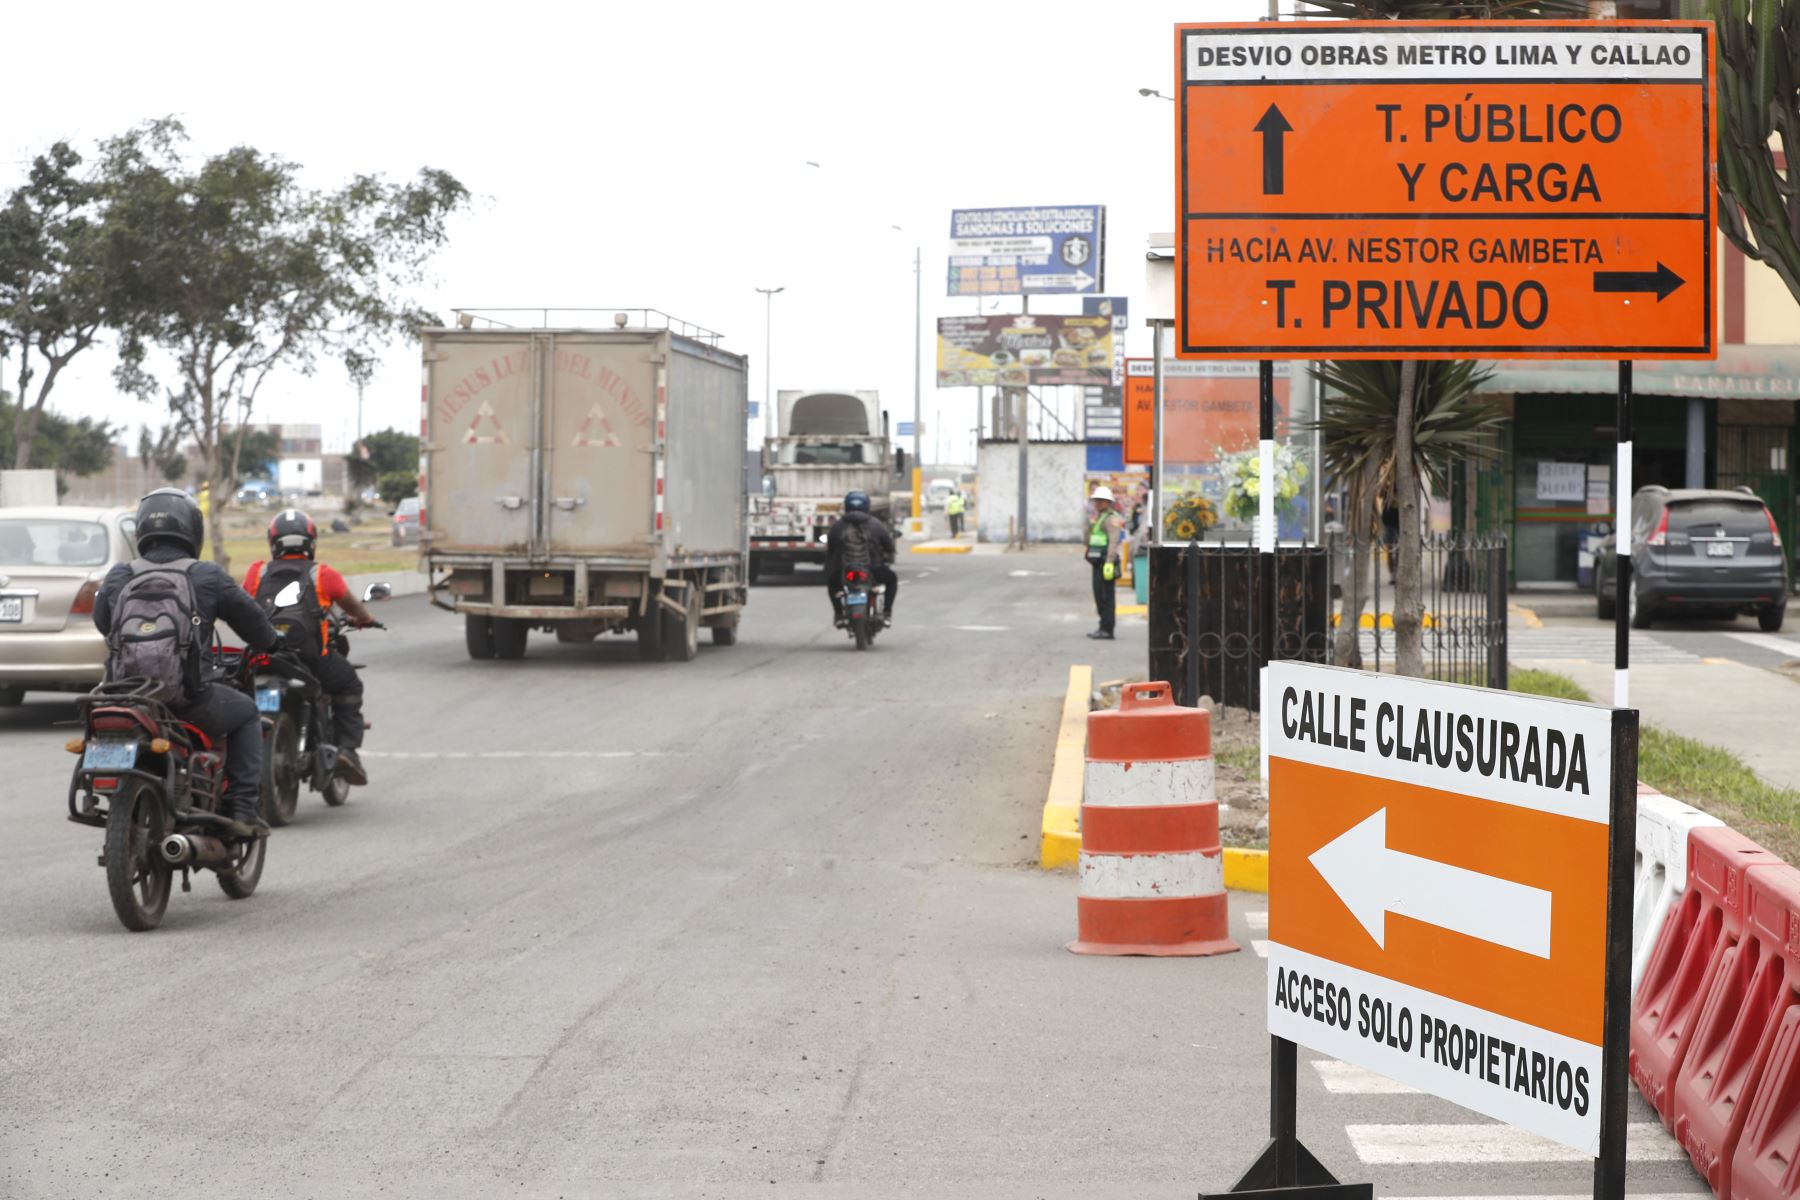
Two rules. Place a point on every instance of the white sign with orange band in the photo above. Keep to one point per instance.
(1438, 887)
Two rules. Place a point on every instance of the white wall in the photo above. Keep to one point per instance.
(300, 474)
(1055, 488)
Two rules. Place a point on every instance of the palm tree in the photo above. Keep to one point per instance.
(1361, 444)
(1759, 64)
(1409, 601)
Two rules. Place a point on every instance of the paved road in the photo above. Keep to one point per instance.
(603, 928)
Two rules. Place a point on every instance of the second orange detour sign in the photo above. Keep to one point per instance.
(1451, 190)
(1439, 865)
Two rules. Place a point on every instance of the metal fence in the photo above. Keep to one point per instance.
(1335, 604)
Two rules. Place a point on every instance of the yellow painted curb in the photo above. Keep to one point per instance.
(1246, 870)
(965, 548)
(1061, 846)
(1132, 610)
(1531, 619)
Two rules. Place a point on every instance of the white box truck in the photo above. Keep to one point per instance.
(825, 443)
(584, 481)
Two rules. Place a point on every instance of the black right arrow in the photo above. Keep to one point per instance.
(1662, 281)
(1273, 127)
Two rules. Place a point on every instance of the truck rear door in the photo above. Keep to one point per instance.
(599, 491)
(479, 472)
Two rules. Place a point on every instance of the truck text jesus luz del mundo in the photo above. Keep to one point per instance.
(1437, 898)
(1483, 188)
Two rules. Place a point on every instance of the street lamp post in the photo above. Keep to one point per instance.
(770, 422)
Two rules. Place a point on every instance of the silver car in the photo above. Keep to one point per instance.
(51, 563)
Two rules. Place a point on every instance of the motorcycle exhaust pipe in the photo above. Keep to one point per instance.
(194, 850)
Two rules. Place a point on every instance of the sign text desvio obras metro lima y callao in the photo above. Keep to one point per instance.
(1441, 190)
(1439, 869)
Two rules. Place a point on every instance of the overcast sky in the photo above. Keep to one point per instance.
(652, 155)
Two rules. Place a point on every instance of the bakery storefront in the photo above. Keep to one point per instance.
(1726, 423)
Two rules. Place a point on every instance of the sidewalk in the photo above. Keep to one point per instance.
(1745, 709)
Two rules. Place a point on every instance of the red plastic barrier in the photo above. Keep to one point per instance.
(1752, 989)
(1708, 921)
(1766, 1165)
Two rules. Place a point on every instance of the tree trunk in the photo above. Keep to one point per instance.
(21, 443)
(25, 425)
(1359, 557)
(1409, 605)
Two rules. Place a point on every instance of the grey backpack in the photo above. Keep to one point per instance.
(156, 631)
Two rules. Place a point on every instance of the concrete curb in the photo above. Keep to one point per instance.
(1246, 870)
(1061, 845)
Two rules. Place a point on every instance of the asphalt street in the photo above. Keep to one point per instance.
(607, 928)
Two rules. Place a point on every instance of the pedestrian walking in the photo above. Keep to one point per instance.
(1105, 538)
(953, 508)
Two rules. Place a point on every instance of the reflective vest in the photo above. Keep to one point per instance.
(954, 506)
(1099, 539)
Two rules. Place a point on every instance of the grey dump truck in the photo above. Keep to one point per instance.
(585, 481)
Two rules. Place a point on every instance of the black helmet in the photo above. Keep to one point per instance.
(292, 532)
(857, 501)
(170, 515)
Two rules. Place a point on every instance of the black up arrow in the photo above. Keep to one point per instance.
(1662, 281)
(1273, 127)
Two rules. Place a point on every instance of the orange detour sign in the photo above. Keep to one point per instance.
(1355, 189)
(1439, 867)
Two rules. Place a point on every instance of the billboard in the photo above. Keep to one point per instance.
(1210, 408)
(1024, 350)
(1119, 309)
(1028, 251)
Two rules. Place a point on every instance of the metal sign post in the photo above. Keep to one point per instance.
(1623, 592)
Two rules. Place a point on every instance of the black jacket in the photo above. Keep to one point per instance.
(216, 597)
(881, 542)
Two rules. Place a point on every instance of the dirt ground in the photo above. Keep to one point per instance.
(1236, 747)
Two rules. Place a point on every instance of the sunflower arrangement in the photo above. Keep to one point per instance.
(1189, 517)
(1244, 484)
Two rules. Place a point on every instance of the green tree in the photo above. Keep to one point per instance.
(1759, 67)
(163, 450)
(66, 445)
(55, 292)
(383, 453)
(244, 271)
(1409, 593)
(396, 486)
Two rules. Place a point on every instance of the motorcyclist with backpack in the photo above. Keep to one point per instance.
(296, 591)
(860, 539)
(157, 614)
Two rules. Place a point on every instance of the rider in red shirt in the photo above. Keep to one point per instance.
(290, 583)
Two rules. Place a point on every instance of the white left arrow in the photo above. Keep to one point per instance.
(1373, 881)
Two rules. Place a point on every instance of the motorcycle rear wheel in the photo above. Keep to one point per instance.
(240, 883)
(281, 770)
(860, 627)
(336, 790)
(136, 878)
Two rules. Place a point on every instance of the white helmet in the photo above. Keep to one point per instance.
(1102, 493)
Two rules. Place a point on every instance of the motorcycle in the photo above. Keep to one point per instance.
(862, 617)
(157, 786)
(296, 719)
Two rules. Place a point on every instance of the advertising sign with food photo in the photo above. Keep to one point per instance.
(1024, 350)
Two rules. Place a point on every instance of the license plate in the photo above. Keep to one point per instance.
(1718, 549)
(856, 597)
(12, 608)
(268, 699)
(110, 756)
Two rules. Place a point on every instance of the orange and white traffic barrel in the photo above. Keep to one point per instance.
(1151, 877)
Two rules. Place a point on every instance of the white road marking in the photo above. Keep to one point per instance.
(982, 628)
(1257, 918)
(1402, 1145)
(1345, 1080)
(1786, 647)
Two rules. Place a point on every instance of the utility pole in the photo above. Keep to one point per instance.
(918, 348)
(771, 424)
(1022, 409)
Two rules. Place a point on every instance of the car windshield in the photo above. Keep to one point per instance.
(1703, 518)
(51, 542)
(828, 454)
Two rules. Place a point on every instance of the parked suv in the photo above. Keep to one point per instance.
(1694, 552)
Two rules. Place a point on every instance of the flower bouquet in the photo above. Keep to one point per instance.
(1243, 482)
(1189, 517)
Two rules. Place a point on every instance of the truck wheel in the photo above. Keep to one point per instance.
(725, 635)
(478, 632)
(650, 629)
(681, 635)
(509, 638)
